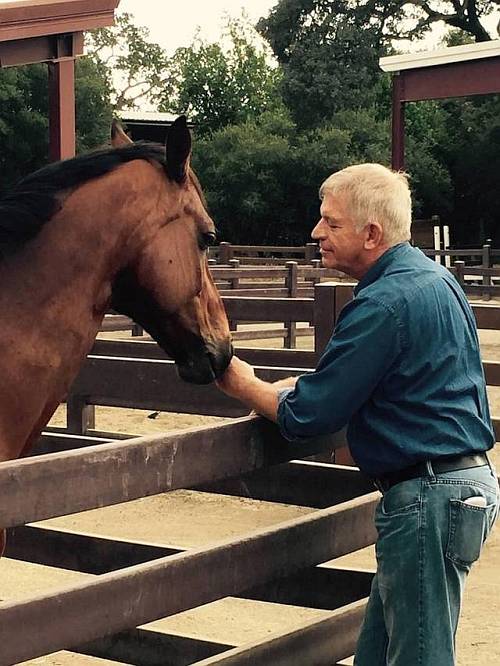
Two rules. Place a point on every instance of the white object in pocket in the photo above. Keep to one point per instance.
(476, 501)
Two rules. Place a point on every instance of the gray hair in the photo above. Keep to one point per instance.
(374, 194)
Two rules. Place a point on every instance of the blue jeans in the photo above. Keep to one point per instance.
(428, 539)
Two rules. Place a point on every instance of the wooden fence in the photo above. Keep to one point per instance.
(138, 583)
(99, 616)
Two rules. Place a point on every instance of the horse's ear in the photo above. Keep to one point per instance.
(118, 136)
(178, 150)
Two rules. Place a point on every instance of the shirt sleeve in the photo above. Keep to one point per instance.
(364, 345)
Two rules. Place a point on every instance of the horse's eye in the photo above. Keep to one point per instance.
(207, 239)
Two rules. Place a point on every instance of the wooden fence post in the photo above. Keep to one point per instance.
(315, 263)
(79, 415)
(459, 270)
(486, 263)
(329, 299)
(291, 283)
(310, 252)
(225, 252)
(235, 281)
(324, 315)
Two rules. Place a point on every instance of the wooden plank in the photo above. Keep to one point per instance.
(321, 587)
(152, 648)
(269, 334)
(131, 597)
(155, 384)
(487, 316)
(290, 358)
(271, 309)
(492, 372)
(219, 273)
(112, 473)
(301, 482)
(319, 642)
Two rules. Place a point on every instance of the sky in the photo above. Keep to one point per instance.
(173, 24)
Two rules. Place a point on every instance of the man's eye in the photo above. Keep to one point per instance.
(207, 239)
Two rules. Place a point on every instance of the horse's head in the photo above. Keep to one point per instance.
(166, 286)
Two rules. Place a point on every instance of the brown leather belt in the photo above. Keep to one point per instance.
(439, 466)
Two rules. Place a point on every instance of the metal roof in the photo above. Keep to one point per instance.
(147, 116)
(444, 56)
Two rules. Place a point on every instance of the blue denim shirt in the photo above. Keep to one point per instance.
(402, 370)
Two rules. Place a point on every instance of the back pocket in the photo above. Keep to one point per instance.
(469, 527)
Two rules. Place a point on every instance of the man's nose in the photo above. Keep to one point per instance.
(316, 233)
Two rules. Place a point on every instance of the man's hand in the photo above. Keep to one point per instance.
(236, 378)
(239, 381)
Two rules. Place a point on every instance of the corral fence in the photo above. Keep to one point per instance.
(135, 583)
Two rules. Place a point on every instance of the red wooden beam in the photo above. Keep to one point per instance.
(398, 123)
(34, 18)
(458, 79)
(62, 109)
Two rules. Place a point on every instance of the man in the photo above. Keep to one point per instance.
(403, 371)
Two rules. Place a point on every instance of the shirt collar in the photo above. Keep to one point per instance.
(382, 263)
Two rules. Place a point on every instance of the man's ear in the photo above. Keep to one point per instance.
(374, 236)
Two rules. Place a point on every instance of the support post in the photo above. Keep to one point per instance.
(459, 271)
(486, 263)
(446, 245)
(290, 341)
(225, 252)
(398, 123)
(62, 109)
(310, 252)
(437, 244)
(80, 416)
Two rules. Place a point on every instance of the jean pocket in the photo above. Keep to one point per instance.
(468, 529)
(401, 499)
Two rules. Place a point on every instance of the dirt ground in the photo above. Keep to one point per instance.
(190, 519)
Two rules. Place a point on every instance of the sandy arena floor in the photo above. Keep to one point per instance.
(188, 518)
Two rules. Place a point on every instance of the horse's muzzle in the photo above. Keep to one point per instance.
(207, 365)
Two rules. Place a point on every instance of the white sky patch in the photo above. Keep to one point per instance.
(174, 24)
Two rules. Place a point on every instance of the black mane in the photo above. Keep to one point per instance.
(33, 200)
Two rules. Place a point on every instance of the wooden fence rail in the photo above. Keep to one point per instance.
(111, 473)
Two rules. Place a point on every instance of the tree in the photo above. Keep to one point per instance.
(136, 68)
(329, 49)
(217, 84)
(24, 115)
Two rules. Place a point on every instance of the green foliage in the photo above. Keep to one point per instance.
(135, 67)
(471, 154)
(262, 178)
(329, 54)
(23, 121)
(217, 85)
(24, 115)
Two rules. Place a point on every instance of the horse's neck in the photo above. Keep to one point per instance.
(53, 296)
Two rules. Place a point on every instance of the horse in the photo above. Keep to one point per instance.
(123, 228)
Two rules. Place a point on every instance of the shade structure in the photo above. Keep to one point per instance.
(457, 71)
(51, 31)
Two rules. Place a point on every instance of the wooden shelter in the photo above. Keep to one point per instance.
(456, 71)
(51, 31)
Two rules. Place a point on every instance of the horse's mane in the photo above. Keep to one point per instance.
(33, 200)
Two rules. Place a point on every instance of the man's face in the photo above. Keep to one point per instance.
(342, 247)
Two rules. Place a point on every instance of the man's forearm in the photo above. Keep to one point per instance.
(260, 396)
